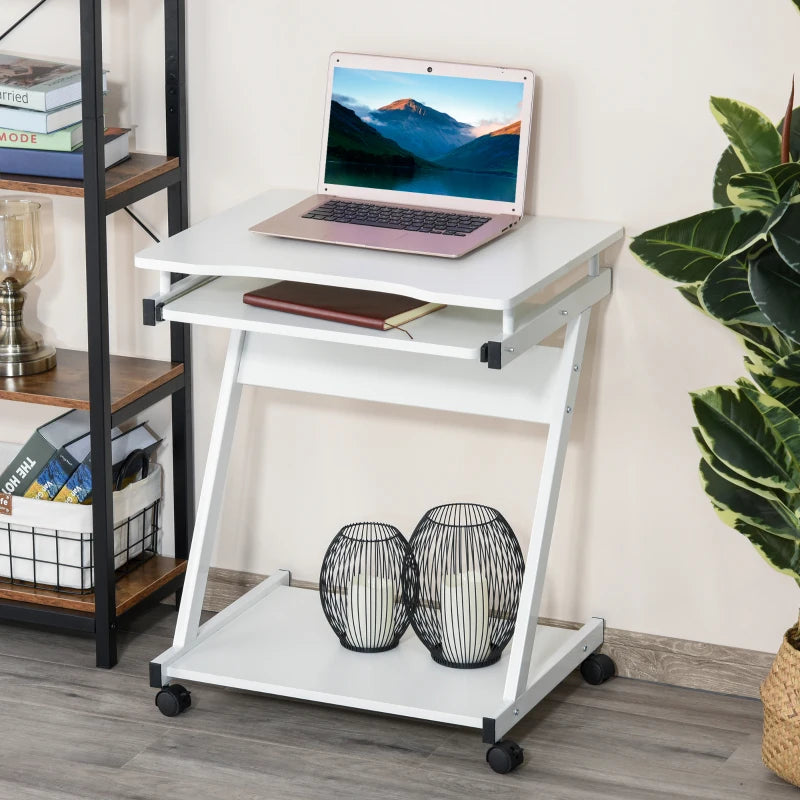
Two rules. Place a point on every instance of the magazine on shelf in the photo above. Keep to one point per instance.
(60, 467)
(40, 448)
(78, 488)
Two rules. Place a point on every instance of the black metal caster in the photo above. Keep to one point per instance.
(171, 700)
(504, 756)
(597, 669)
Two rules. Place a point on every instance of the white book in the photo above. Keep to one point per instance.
(39, 85)
(23, 119)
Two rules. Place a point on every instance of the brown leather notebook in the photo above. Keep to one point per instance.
(378, 310)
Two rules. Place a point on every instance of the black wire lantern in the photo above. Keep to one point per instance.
(461, 584)
(360, 586)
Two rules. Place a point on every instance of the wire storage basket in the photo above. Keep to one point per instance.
(49, 545)
(360, 586)
(461, 584)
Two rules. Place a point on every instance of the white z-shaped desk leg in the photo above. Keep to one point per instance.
(546, 502)
(210, 505)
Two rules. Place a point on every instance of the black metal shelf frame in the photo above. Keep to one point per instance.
(96, 208)
(167, 389)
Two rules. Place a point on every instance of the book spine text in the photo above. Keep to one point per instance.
(54, 475)
(22, 98)
(30, 140)
(27, 464)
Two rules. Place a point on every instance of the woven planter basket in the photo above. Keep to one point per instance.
(780, 694)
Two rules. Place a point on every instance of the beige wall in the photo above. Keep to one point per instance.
(623, 132)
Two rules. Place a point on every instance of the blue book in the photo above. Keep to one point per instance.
(56, 472)
(78, 488)
(59, 468)
(58, 164)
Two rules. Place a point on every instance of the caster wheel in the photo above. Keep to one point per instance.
(597, 669)
(171, 700)
(504, 756)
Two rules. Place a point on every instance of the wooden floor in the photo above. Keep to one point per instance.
(72, 731)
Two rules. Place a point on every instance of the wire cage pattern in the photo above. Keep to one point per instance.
(461, 584)
(62, 561)
(360, 586)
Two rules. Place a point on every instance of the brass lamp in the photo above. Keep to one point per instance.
(21, 352)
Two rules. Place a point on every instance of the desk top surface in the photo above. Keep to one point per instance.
(497, 276)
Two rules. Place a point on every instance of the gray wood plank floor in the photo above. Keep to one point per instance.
(73, 732)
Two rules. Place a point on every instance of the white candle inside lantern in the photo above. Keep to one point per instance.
(465, 618)
(370, 612)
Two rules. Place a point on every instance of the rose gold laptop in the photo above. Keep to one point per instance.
(417, 156)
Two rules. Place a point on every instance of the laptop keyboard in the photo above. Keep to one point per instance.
(404, 219)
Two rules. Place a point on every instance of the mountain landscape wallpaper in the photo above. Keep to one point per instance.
(425, 133)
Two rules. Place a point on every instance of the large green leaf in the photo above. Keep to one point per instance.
(689, 292)
(734, 477)
(760, 340)
(779, 378)
(776, 289)
(780, 553)
(734, 503)
(753, 136)
(777, 213)
(743, 439)
(687, 250)
(728, 166)
(761, 239)
(785, 235)
(783, 420)
(762, 191)
(725, 294)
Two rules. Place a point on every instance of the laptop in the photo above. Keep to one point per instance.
(417, 156)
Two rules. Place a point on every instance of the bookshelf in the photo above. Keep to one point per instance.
(115, 388)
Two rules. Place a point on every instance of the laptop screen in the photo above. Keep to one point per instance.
(424, 133)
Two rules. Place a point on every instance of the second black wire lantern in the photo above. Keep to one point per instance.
(360, 586)
(461, 584)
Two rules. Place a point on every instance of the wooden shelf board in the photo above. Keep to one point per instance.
(140, 167)
(67, 385)
(131, 589)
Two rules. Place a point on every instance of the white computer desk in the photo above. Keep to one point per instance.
(480, 355)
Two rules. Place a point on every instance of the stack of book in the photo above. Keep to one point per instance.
(40, 120)
(55, 463)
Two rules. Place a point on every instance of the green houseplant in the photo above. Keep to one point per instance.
(739, 263)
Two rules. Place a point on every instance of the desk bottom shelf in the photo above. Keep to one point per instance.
(279, 643)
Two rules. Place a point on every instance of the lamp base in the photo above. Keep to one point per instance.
(21, 352)
(41, 360)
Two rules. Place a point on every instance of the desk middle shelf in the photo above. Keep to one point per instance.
(440, 368)
(452, 332)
